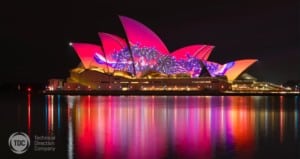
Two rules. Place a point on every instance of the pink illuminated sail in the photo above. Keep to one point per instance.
(184, 52)
(204, 52)
(238, 67)
(137, 33)
(86, 54)
(111, 43)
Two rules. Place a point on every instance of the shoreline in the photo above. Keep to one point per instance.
(165, 93)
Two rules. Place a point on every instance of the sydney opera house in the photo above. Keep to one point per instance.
(141, 61)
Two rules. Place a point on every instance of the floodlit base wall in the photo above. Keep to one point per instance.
(93, 80)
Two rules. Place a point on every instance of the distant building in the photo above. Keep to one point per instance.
(55, 84)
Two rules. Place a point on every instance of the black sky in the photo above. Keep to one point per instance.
(35, 35)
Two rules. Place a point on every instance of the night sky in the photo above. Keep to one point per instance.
(35, 35)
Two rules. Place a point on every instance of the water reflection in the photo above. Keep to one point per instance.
(28, 113)
(172, 126)
(70, 127)
(281, 119)
(296, 114)
(49, 109)
(58, 112)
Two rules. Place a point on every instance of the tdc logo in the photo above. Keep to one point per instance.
(19, 142)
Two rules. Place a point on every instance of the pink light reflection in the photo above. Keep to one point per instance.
(29, 113)
(146, 127)
(50, 114)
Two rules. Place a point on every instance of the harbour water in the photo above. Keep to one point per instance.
(154, 126)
